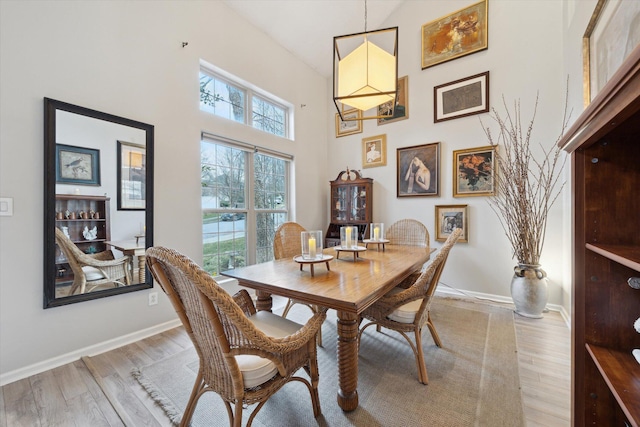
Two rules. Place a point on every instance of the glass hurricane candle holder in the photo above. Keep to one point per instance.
(376, 231)
(311, 242)
(349, 237)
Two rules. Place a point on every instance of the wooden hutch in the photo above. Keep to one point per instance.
(605, 157)
(351, 204)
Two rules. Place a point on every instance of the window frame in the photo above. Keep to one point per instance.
(250, 91)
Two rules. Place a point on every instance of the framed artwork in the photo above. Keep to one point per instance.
(374, 151)
(351, 124)
(132, 174)
(611, 35)
(448, 218)
(474, 172)
(77, 165)
(461, 98)
(418, 171)
(460, 33)
(401, 110)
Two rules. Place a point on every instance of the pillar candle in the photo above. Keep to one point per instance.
(312, 247)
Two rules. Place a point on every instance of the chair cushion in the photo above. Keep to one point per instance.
(255, 369)
(92, 273)
(405, 313)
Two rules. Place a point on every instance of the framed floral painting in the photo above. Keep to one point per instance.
(474, 172)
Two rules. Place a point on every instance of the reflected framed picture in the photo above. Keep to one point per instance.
(460, 33)
(461, 98)
(474, 171)
(351, 124)
(448, 218)
(418, 172)
(77, 165)
(374, 151)
(611, 35)
(132, 173)
(401, 110)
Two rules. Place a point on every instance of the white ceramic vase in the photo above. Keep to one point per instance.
(529, 290)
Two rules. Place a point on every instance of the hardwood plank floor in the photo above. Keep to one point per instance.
(70, 396)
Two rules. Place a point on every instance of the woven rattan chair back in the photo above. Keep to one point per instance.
(114, 271)
(421, 290)
(408, 232)
(286, 244)
(220, 329)
(286, 241)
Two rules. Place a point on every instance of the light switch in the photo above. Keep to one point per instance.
(6, 206)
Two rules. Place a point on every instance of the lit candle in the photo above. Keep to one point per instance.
(347, 233)
(376, 233)
(312, 247)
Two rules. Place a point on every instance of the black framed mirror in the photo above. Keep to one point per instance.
(98, 203)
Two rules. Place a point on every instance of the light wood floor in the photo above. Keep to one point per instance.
(70, 396)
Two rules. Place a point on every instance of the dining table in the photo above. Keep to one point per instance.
(133, 248)
(349, 287)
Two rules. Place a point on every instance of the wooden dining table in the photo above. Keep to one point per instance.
(349, 287)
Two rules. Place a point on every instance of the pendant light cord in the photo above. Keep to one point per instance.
(365, 16)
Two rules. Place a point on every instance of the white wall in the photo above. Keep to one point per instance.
(126, 58)
(525, 57)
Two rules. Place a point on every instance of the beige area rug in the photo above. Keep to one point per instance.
(473, 378)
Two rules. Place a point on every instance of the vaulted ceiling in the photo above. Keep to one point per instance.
(306, 27)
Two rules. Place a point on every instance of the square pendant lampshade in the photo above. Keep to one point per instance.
(365, 69)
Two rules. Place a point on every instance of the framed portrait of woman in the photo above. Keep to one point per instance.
(418, 171)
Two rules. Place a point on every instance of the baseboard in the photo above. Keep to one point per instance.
(92, 350)
(448, 290)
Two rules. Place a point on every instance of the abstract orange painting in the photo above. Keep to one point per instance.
(460, 33)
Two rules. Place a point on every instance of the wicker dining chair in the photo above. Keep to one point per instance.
(286, 244)
(407, 310)
(245, 356)
(93, 270)
(408, 232)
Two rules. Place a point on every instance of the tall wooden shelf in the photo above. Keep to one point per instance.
(605, 150)
(351, 204)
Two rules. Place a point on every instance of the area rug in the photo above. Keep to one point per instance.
(473, 378)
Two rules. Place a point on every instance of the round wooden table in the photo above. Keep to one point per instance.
(311, 262)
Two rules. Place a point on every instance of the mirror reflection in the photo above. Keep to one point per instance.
(98, 209)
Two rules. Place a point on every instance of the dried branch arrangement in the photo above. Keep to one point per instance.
(528, 185)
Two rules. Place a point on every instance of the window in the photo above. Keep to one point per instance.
(225, 97)
(244, 199)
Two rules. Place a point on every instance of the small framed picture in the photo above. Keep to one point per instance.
(448, 218)
(401, 110)
(132, 167)
(461, 98)
(474, 171)
(77, 165)
(374, 151)
(457, 34)
(418, 171)
(351, 123)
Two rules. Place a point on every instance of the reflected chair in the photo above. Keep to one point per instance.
(245, 356)
(92, 270)
(286, 244)
(407, 310)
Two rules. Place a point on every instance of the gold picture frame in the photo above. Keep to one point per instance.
(474, 171)
(401, 110)
(460, 33)
(450, 217)
(374, 151)
(349, 127)
(611, 35)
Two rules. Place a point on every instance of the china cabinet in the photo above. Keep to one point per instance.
(85, 219)
(351, 204)
(605, 149)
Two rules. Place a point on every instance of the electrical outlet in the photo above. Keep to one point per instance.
(153, 298)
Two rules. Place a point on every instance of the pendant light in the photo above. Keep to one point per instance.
(365, 71)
